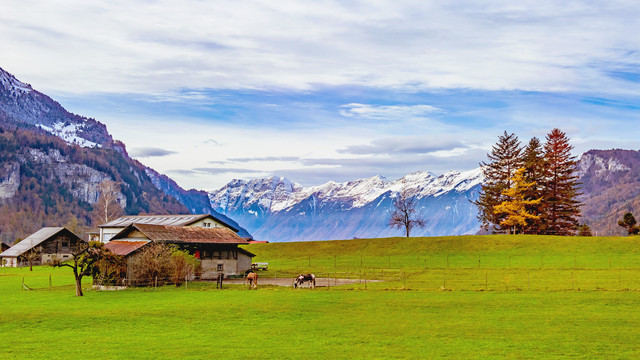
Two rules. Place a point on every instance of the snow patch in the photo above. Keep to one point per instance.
(69, 133)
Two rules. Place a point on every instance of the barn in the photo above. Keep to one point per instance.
(45, 245)
(216, 247)
(111, 228)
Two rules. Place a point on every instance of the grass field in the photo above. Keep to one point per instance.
(383, 321)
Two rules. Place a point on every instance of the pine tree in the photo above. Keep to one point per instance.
(629, 223)
(504, 161)
(514, 208)
(533, 163)
(560, 207)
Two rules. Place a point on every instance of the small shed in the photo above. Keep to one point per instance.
(216, 247)
(47, 245)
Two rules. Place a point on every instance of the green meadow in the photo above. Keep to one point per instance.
(476, 297)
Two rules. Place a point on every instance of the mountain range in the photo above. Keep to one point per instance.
(52, 161)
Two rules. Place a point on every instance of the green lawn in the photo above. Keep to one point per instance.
(383, 321)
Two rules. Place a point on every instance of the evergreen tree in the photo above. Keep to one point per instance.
(514, 208)
(629, 222)
(560, 207)
(533, 163)
(503, 162)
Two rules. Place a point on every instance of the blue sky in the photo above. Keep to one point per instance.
(327, 90)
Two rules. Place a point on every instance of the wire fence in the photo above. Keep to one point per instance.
(467, 272)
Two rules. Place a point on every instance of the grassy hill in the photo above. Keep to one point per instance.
(556, 318)
(498, 262)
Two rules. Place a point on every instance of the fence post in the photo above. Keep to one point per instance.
(186, 282)
(573, 286)
(50, 284)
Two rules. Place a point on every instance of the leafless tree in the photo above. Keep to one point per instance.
(107, 207)
(405, 215)
(32, 255)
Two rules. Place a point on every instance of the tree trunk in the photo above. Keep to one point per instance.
(78, 283)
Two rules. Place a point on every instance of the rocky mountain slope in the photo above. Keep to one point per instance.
(276, 209)
(611, 187)
(52, 161)
(21, 104)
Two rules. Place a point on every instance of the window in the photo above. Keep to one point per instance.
(220, 267)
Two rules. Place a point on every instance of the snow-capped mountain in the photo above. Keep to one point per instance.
(21, 104)
(277, 209)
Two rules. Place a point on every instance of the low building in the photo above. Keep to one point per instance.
(111, 228)
(216, 247)
(46, 245)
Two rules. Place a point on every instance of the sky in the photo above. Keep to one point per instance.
(209, 91)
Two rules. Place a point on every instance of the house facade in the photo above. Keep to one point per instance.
(110, 229)
(44, 246)
(215, 247)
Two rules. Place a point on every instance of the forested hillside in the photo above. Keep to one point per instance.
(611, 187)
(44, 181)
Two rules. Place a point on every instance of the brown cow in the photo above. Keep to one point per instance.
(252, 279)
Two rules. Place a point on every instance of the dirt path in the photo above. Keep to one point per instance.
(320, 282)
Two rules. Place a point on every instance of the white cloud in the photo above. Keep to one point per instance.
(160, 46)
(391, 112)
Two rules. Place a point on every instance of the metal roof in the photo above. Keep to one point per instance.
(184, 234)
(34, 240)
(125, 247)
(171, 220)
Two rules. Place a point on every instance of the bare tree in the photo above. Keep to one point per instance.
(405, 215)
(32, 256)
(107, 207)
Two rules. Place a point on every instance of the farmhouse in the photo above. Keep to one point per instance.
(110, 229)
(216, 247)
(45, 245)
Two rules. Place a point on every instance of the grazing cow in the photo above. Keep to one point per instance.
(302, 278)
(252, 279)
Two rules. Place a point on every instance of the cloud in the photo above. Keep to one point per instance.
(266, 158)
(220, 170)
(405, 145)
(150, 152)
(145, 47)
(390, 112)
(209, 171)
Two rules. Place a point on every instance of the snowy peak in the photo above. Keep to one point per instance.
(276, 209)
(20, 103)
(12, 85)
(276, 194)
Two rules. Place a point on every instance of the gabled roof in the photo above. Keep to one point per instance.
(125, 247)
(172, 220)
(36, 239)
(184, 234)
